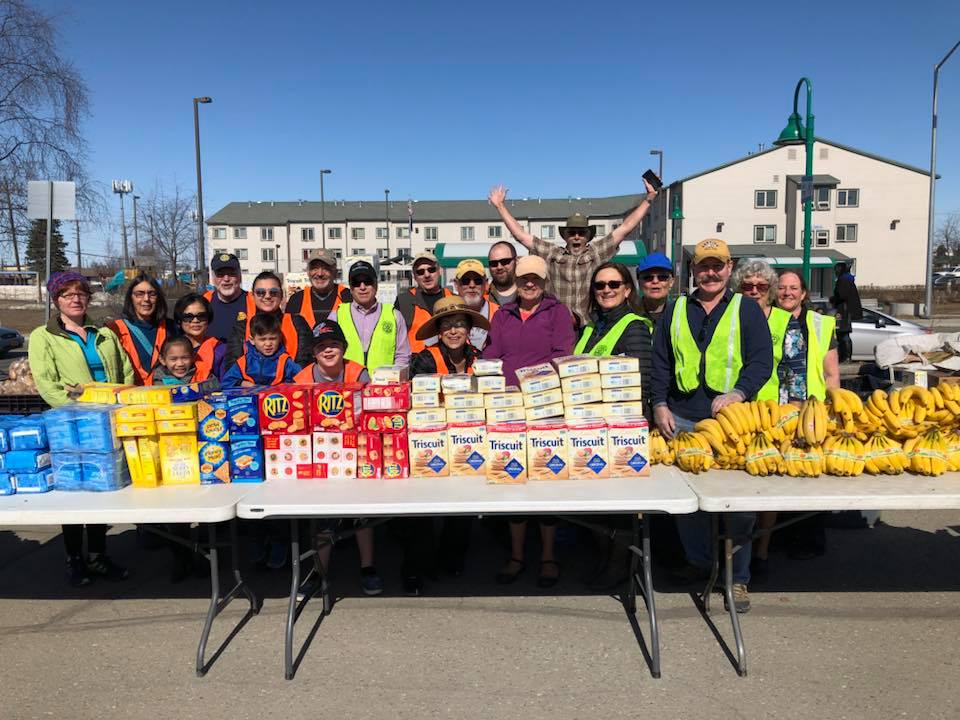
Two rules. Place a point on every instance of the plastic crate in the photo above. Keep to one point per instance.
(22, 404)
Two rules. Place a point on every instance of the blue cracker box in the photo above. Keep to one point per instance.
(214, 462)
(246, 458)
(105, 472)
(243, 411)
(7, 484)
(7, 422)
(24, 460)
(68, 471)
(28, 433)
(194, 391)
(212, 418)
(38, 482)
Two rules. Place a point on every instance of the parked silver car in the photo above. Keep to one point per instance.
(875, 327)
(9, 340)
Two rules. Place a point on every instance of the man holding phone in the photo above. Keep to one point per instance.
(570, 268)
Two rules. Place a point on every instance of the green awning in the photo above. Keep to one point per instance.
(450, 254)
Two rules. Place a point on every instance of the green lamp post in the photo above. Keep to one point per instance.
(676, 215)
(796, 134)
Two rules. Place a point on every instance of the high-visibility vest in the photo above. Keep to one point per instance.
(420, 316)
(306, 306)
(141, 375)
(777, 321)
(203, 358)
(723, 359)
(383, 343)
(608, 342)
(251, 308)
(441, 365)
(291, 339)
(351, 373)
(278, 376)
(820, 329)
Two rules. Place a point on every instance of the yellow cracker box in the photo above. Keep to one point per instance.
(487, 367)
(166, 427)
(101, 393)
(135, 413)
(579, 383)
(180, 411)
(584, 412)
(150, 395)
(538, 378)
(390, 375)
(136, 429)
(214, 462)
(542, 412)
(621, 409)
(571, 365)
(582, 397)
(624, 394)
(179, 459)
(505, 414)
(507, 453)
(620, 380)
(418, 417)
(426, 383)
(628, 440)
(149, 451)
(511, 397)
(429, 399)
(132, 453)
(619, 364)
(458, 383)
(547, 397)
(467, 448)
(588, 456)
(462, 415)
(463, 400)
(491, 383)
(428, 451)
(547, 450)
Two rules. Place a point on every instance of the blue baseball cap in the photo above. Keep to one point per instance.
(655, 261)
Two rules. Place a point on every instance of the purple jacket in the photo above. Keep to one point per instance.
(545, 335)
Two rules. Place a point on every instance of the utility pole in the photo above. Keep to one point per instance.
(79, 258)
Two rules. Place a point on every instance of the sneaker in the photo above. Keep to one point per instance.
(689, 574)
(741, 599)
(412, 585)
(106, 568)
(277, 555)
(370, 582)
(310, 586)
(77, 572)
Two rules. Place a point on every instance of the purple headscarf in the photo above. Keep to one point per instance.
(58, 281)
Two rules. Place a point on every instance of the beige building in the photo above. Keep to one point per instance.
(867, 210)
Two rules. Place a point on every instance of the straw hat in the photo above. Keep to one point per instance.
(445, 307)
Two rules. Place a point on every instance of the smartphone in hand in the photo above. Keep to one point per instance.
(651, 177)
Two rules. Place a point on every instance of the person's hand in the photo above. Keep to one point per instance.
(651, 193)
(73, 391)
(721, 401)
(665, 421)
(246, 383)
(497, 196)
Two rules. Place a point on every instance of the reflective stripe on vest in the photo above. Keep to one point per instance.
(383, 342)
(278, 376)
(820, 329)
(608, 342)
(723, 360)
(420, 316)
(142, 375)
(203, 358)
(777, 321)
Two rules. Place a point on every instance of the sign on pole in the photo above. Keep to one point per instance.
(806, 188)
(64, 200)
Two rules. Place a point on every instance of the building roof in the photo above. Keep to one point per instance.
(817, 180)
(864, 153)
(424, 211)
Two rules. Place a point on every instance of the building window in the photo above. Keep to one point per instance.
(241, 253)
(430, 233)
(305, 254)
(848, 198)
(403, 232)
(764, 233)
(219, 233)
(466, 232)
(494, 231)
(383, 233)
(601, 230)
(548, 232)
(846, 233)
(358, 234)
(268, 255)
(615, 226)
(219, 251)
(266, 233)
(821, 238)
(334, 233)
(359, 251)
(306, 234)
(338, 254)
(405, 255)
(765, 199)
(239, 233)
(821, 198)
(382, 253)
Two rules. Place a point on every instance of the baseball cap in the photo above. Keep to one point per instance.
(328, 331)
(532, 265)
(471, 265)
(224, 261)
(322, 256)
(362, 267)
(711, 248)
(655, 261)
(425, 256)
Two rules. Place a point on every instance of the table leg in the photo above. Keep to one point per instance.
(714, 560)
(295, 607)
(292, 606)
(728, 552)
(648, 596)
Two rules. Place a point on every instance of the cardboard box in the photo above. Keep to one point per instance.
(335, 407)
(624, 394)
(429, 382)
(588, 454)
(285, 410)
(386, 398)
(419, 417)
(136, 429)
(179, 459)
(166, 427)
(465, 415)
(582, 397)
(214, 462)
(396, 456)
(191, 392)
(149, 452)
(617, 364)
(507, 453)
(428, 451)
(458, 383)
(491, 383)
(547, 397)
(132, 453)
(595, 411)
(467, 448)
(135, 413)
(384, 422)
(493, 366)
(288, 456)
(579, 383)
(628, 441)
(370, 455)
(547, 450)
(542, 412)
(427, 399)
(101, 393)
(246, 458)
(621, 409)
(212, 417)
(510, 397)
(620, 380)
(390, 374)
(571, 365)
(335, 455)
(463, 401)
(148, 395)
(181, 411)
(505, 414)
(547, 380)
(243, 411)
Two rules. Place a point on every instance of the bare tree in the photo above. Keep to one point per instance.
(167, 218)
(948, 233)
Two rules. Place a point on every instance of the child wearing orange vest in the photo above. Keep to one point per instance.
(329, 346)
(264, 361)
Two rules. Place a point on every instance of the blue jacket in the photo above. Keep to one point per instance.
(260, 369)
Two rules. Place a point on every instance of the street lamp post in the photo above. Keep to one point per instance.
(796, 134)
(386, 206)
(121, 188)
(276, 259)
(664, 198)
(136, 236)
(928, 296)
(323, 210)
(201, 240)
(676, 217)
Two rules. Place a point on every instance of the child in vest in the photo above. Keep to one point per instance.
(329, 347)
(264, 361)
(175, 362)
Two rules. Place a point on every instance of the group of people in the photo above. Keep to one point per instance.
(737, 336)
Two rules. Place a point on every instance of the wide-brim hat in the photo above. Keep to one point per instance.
(578, 221)
(445, 307)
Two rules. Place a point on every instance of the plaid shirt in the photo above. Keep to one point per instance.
(568, 275)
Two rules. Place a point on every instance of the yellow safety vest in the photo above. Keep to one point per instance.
(608, 342)
(723, 358)
(777, 321)
(383, 343)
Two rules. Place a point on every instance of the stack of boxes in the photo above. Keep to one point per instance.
(85, 448)
(383, 444)
(230, 448)
(285, 427)
(335, 417)
(24, 456)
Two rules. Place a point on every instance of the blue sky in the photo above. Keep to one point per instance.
(441, 100)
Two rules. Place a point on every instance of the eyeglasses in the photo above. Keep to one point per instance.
(229, 272)
(750, 287)
(357, 282)
(573, 232)
(76, 296)
(500, 263)
(263, 292)
(427, 270)
(141, 294)
(195, 317)
(660, 277)
(599, 285)
(451, 324)
(471, 280)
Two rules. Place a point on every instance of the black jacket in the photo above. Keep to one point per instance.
(304, 339)
(846, 299)
(422, 363)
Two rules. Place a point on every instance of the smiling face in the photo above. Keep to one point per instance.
(195, 322)
(178, 360)
(471, 288)
(712, 274)
(656, 284)
(427, 275)
(329, 356)
(364, 290)
(227, 283)
(756, 287)
(790, 294)
(454, 331)
(609, 289)
(73, 301)
(502, 265)
(267, 295)
(321, 277)
(144, 298)
(577, 239)
(530, 287)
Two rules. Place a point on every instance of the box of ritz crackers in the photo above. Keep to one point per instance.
(285, 410)
(335, 407)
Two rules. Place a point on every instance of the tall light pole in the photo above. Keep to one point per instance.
(201, 240)
(663, 200)
(928, 297)
(136, 236)
(386, 206)
(323, 209)
(796, 134)
(121, 188)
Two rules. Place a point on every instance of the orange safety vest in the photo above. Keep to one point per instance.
(441, 365)
(142, 375)
(351, 373)
(277, 379)
(251, 308)
(306, 307)
(291, 341)
(203, 358)
(420, 316)
(492, 307)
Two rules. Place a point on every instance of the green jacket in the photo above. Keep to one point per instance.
(57, 360)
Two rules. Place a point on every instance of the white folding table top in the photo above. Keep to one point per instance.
(732, 491)
(662, 492)
(164, 504)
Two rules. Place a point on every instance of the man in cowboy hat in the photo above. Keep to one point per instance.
(571, 267)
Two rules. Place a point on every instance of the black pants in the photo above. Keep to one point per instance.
(420, 547)
(73, 539)
(844, 345)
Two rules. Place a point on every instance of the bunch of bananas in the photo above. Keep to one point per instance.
(692, 452)
(813, 421)
(952, 441)
(801, 459)
(763, 458)
(907, 413)
(843, 455)
(927, 453)
(846, 408)
(660, 451)
(884, 456)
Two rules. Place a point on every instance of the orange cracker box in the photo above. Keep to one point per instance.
(396, 455)
(334, 455)
(285, 410)
(288, 456)
(385, 422)
(370, 455)
(335, 407)
(386, 398)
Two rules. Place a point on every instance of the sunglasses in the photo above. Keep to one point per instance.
(575, 232)
(471, 280)
(451, 324)
(599, 285)
(661, 277)
(426, 270)
(357, 282)
(500, 263)
(195, 317)
(272, 292)
(750, 287)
